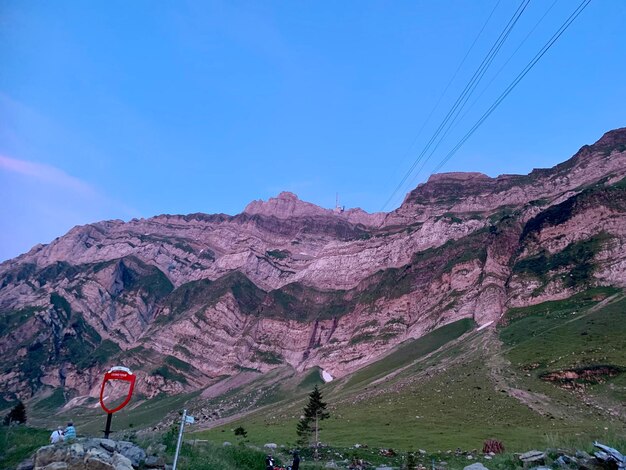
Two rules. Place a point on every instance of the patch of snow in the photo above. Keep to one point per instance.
(482, 327)
(326, 377)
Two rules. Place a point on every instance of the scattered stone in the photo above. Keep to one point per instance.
(76, 452)
(108, 444)
(152, 461)
(565, 461)
(27, 464)
(97, 453)
(476, 466)
(533, 456)
(423, 452)
(581, 454)
(610, 456)
(331, 464)
(226, 444)
(132, 452)
(270, 445)
(488, 457)
(48, 454)
(470, 457)
(94, 463)
(56, 466)
(120, 462)
(156, 449)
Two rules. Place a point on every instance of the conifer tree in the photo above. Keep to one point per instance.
(16, 415)
(314, 412)
(241, 433)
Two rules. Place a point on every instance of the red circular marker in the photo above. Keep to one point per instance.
(122, 374)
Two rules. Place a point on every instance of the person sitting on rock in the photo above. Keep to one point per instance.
(70, 432)
(57, 435)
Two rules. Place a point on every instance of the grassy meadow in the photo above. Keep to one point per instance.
(452, 388)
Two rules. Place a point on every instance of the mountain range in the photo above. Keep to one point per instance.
(190, 302)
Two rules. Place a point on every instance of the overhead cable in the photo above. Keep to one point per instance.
(480, 95)
(467, 91)
(456, 72)
(581, 7)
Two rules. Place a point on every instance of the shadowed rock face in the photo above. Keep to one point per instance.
(183, 300)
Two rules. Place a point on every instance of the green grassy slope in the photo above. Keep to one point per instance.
(450, 398)
(18, 442)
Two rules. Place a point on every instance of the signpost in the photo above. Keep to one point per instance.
(122, 374)
(185, 420)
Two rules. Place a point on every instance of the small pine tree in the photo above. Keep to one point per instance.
(314, 412)
(303, 430)
(240, 431)
(16, 415)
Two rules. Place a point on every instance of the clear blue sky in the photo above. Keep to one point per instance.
(118, 109)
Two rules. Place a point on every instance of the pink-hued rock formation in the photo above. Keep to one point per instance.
(185, 300)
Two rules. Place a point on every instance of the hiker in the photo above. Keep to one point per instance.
(70, 432)
(269, 462)
(57, 435)
(296, 461)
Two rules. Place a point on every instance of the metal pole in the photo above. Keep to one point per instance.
(180, 439)
(107, 428)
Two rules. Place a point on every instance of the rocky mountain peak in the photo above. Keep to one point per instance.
(613, 138)
(458, 177)
(284, 206)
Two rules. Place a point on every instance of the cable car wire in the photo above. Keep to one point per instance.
(456, 118)
(456, 72)
(467, 91)
(581, 7)
(477, 99)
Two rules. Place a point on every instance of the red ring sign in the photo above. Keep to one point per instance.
(118, 373)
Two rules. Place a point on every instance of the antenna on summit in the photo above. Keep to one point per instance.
(338, 209)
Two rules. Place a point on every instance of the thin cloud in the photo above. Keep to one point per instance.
(45, 173)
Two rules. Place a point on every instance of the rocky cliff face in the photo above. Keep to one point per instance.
(187, 300)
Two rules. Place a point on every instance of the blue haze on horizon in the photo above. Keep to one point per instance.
(132, 109)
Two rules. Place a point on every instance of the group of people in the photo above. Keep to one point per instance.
(60, 434)
(269, 463)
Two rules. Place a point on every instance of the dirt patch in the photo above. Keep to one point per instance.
(574, 378)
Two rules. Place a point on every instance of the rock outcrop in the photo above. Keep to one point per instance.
(187, 300)
(89, 454)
